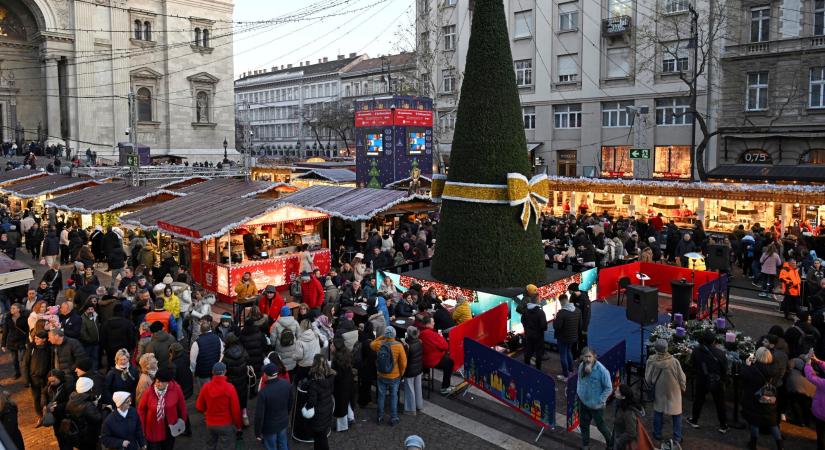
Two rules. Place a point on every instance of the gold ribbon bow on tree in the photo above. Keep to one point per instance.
(532, 195)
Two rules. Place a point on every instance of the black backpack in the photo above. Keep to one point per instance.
(287, 338)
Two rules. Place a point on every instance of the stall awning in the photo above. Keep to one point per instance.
(349, 203)
(106, 197)
(783, 193)
(234, 188)
(16, 175)
(36, 187)
(801, 174)
(333, 175)
(14, 273)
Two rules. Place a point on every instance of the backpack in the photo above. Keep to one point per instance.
(521, 305)
(72, 430)
(287, 338)
(766, 395)
(385, 362)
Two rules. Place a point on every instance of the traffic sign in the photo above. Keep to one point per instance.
(639, 153)
(132, 160)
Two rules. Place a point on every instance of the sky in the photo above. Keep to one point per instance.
(367, 26)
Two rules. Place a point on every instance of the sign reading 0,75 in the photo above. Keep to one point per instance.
(639, 153)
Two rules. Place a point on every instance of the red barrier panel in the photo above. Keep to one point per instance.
(609, 278)
(660, 277)
(489, 328)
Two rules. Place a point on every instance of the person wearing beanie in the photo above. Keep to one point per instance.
(391, 363)
(82, 409)
(414, 442)
(161, 406)
(272, 409)
(285, 343)
(159, 314)
(312, 292)
(37, 362)
(117, 333)
(270, 303)
(159, 344)
(122, 428)
(218, 401)
(226, 327)
(664, 373)
(122, 377)
(205, 351)
(85, 369)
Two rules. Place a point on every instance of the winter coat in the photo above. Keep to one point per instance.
(415, 357)
(116, 258)
(442, 318)
(754, 377)
(119, 380)
(624, 427)
(8, 417)
(770, 263)
(593, 390)
(566, 324)
(81, 409)
(312, 293)
(535, 322)
(218, 400)
(306, 347)
(273, 407)
(51, 245)
(708, 361)
(254, 342)
(117, 429)
(236, 359)
(462, 313)
(201, 309)
(37, 362)
(72, 324)
(117, 333)
(184, 293)
(665, 373)
(319, 396)
(183, 376)
(435, 347)
(159, 345)
(379, 323)
(97, 245)
(67, 355)
(399, 357)
(283, 322)
(818, 406)
(174, 409)
(89, 330)
(797, 383)
(16, 332)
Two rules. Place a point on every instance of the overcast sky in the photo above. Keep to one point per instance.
(370, 26)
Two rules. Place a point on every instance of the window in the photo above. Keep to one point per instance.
(523, 23)
(616, 162)
(617, 8)
(205, 38)
(675, 58)
(813, 156)
(819, 17)
(569, 16)
(450, 2)
(673, 111)
(449, 37)
(446, 120)
(425, 84)
(524, 72)
(448, 80)
(614, 114)
(568, 69)
(144, 105)
(197, 41)
(816, 88)
(757, 99)
(671, 162)
(760, 23)
(147, 31)
(618, 62)
(529, 114)
(567, 116)
(138, 30)
(676, 6)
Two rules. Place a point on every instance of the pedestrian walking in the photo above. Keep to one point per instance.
(218, 401)
(665, 374)
(122, 428)
(535, 324)
(81, 426)
(413, 396)
(711, 367)
(319, 387)
(162, 405)
(275, 401)
(566, 327)
(344, 385)
(390, 363)
(37, 363)
(593, 389)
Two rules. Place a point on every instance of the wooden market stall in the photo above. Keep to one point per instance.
(325, 177)
(31, 193)
(221, 238)
(719, 206)
(238, 188)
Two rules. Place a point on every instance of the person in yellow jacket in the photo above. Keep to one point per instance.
(462, 312)
(246, 287)
(791, 287)
(389, 381)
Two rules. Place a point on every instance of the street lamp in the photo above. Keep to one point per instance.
(225, 156)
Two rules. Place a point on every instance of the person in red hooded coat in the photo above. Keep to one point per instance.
(312, 293)
(270, 303)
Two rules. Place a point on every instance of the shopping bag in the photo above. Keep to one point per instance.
(643, 441)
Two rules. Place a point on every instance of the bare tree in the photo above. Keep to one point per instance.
(332, 120)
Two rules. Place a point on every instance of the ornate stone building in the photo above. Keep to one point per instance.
(67, 68)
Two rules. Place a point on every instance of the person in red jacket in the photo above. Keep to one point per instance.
(271, 302)
(218, 401)
(166, 392)
(312, 293)
(435, 353)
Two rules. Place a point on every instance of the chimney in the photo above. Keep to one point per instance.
(306, 63)
(340, 56)
(326, 59)
(282, 67)
(300, 64)
(289, 66)
(274, 68)
(352, 55)
(319, 60)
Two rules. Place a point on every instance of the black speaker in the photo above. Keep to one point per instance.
(718, 258)
(681, 295)
(642, 304)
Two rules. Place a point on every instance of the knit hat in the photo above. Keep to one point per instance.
(271, 370)
(165, 375)
(531, 290)
(84, 385)
(660, 345)
(155, 326)
(414, 442)
(85, 365)
(651, 239)
(119, 397)
(219, 368)
(270, 289)
(349, 315)
(389, 332)
(285, 311)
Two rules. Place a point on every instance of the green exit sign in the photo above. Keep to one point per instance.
(639, 153)
(132, 160)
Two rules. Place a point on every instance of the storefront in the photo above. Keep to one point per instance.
(248, 235)
(719, 206)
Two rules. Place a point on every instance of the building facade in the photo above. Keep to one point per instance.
(391, 74)
(772, 115)
(294, 110)
(70, 67)
(595, 80)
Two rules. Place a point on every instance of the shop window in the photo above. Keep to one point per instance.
(755, 156)
(616, 162)
(813, 156)
(672, 162)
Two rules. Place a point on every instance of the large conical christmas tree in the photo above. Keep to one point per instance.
(485, 245)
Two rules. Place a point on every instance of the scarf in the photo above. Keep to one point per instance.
(124, 371)
(160, 411)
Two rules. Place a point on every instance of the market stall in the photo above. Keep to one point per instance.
(249, 235)
(719, 206)
(325, 177)
(238, 188)
(31, 193)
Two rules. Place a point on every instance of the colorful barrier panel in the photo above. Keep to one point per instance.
(660, 277)
(614, 361)
(489, 328)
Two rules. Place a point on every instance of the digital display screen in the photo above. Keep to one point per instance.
(375, 144)
(416, 142)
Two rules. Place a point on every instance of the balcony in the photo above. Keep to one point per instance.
(754, 49)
